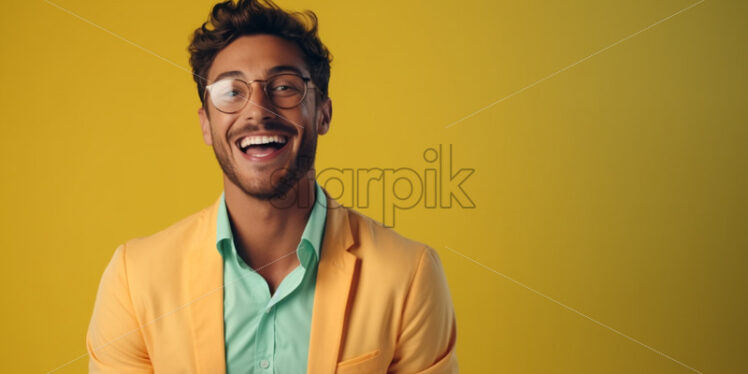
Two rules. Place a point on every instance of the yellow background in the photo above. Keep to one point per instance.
(616, 187)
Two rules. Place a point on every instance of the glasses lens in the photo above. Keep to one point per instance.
(286, 90)
(229, 95)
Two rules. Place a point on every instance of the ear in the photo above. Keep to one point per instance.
(205, 126)
(325, 116)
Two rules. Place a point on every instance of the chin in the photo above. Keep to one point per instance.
(273, 188)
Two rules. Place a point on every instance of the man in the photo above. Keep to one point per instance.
(275, 277)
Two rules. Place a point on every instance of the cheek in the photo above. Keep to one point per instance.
(221, 126)
(309, 109)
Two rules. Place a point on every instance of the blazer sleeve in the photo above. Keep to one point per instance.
(114, 340)
(427, 338)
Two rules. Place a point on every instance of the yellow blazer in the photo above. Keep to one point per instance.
(381, 303)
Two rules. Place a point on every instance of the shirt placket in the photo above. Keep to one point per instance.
(266, 336)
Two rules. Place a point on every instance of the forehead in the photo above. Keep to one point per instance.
(255, 55)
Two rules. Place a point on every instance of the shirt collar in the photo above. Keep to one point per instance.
(312, 235)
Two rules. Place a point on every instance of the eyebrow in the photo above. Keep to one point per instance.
(285, 68)
(272, 71)
(229, 74)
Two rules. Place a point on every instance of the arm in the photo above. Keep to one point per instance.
(114, 340)
(427, 338)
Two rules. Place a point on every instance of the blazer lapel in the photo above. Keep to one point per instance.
(205, 303)
(335, 274)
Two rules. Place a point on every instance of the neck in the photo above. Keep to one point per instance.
(266, 230)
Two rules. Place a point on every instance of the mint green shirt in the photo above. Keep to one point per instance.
(265, 334)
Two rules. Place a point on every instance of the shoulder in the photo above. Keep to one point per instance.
(389, 258)
(168, 247)
(374, 240)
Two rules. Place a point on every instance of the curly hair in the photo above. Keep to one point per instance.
(229, 21)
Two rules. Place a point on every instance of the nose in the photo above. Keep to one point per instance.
(259, 106)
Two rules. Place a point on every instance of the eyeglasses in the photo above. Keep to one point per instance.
(286, 91)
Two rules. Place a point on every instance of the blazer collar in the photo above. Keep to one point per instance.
(335, 275)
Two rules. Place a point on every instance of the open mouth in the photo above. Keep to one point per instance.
(261, 145)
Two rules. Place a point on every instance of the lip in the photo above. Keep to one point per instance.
(266, 157)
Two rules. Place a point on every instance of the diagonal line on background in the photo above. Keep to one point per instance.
(571, 309)
(120, 37)
(572, 65)
(150, 52)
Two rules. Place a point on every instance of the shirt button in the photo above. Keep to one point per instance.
(264, 364)
(268, 310)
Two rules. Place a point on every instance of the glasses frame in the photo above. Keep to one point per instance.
(264, 83)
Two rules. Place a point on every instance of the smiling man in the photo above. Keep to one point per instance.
(275, 276)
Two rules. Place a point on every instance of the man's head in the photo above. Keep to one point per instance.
(233, 55)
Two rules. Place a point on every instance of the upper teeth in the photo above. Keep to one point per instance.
(261, 139)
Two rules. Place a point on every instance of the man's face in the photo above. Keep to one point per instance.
(269, 170)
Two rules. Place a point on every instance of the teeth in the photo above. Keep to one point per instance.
(261, 139)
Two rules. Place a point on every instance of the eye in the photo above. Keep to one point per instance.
(230, 94)
(229, 90)
(286, 85)
(282, 86)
